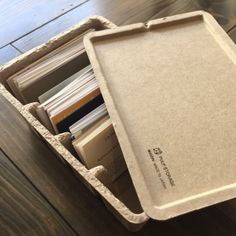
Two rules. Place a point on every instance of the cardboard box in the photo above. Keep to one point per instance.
(96, 179)
(169, 87)
(175, 152)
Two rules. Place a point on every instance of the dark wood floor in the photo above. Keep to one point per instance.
(25, 24)
(38, 194)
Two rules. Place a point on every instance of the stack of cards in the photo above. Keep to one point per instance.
(76, 105)
(99, 146)
(83, 124)
(29, 83)
(71, 103)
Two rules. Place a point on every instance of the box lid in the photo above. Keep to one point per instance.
(170, 89)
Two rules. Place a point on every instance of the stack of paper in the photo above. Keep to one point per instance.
(77, 105)
(99, 146)
(71, 103)
(29, 83)
(81, 125)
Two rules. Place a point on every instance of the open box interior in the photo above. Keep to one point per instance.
(122, 188)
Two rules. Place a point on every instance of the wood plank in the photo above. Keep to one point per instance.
(23, 209)
(209, 221)
(229, 209)
(7, 53)
(19, 17)
(232, 34)
(125, 12)
(223, 11)
(129, 12)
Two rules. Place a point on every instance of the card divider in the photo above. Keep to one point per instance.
(98, 172)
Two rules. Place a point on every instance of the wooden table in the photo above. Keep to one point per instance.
(39, 195)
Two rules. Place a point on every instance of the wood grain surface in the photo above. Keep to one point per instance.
(7, 53)
(24, 211)
(130, 11)
(232, 34)
(124, 12)
(19, 17)
(224, 11)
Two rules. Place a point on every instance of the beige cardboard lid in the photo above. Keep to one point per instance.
(170, 88)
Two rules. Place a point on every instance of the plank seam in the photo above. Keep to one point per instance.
(39, 192)
(16, 48)
(12, 42)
